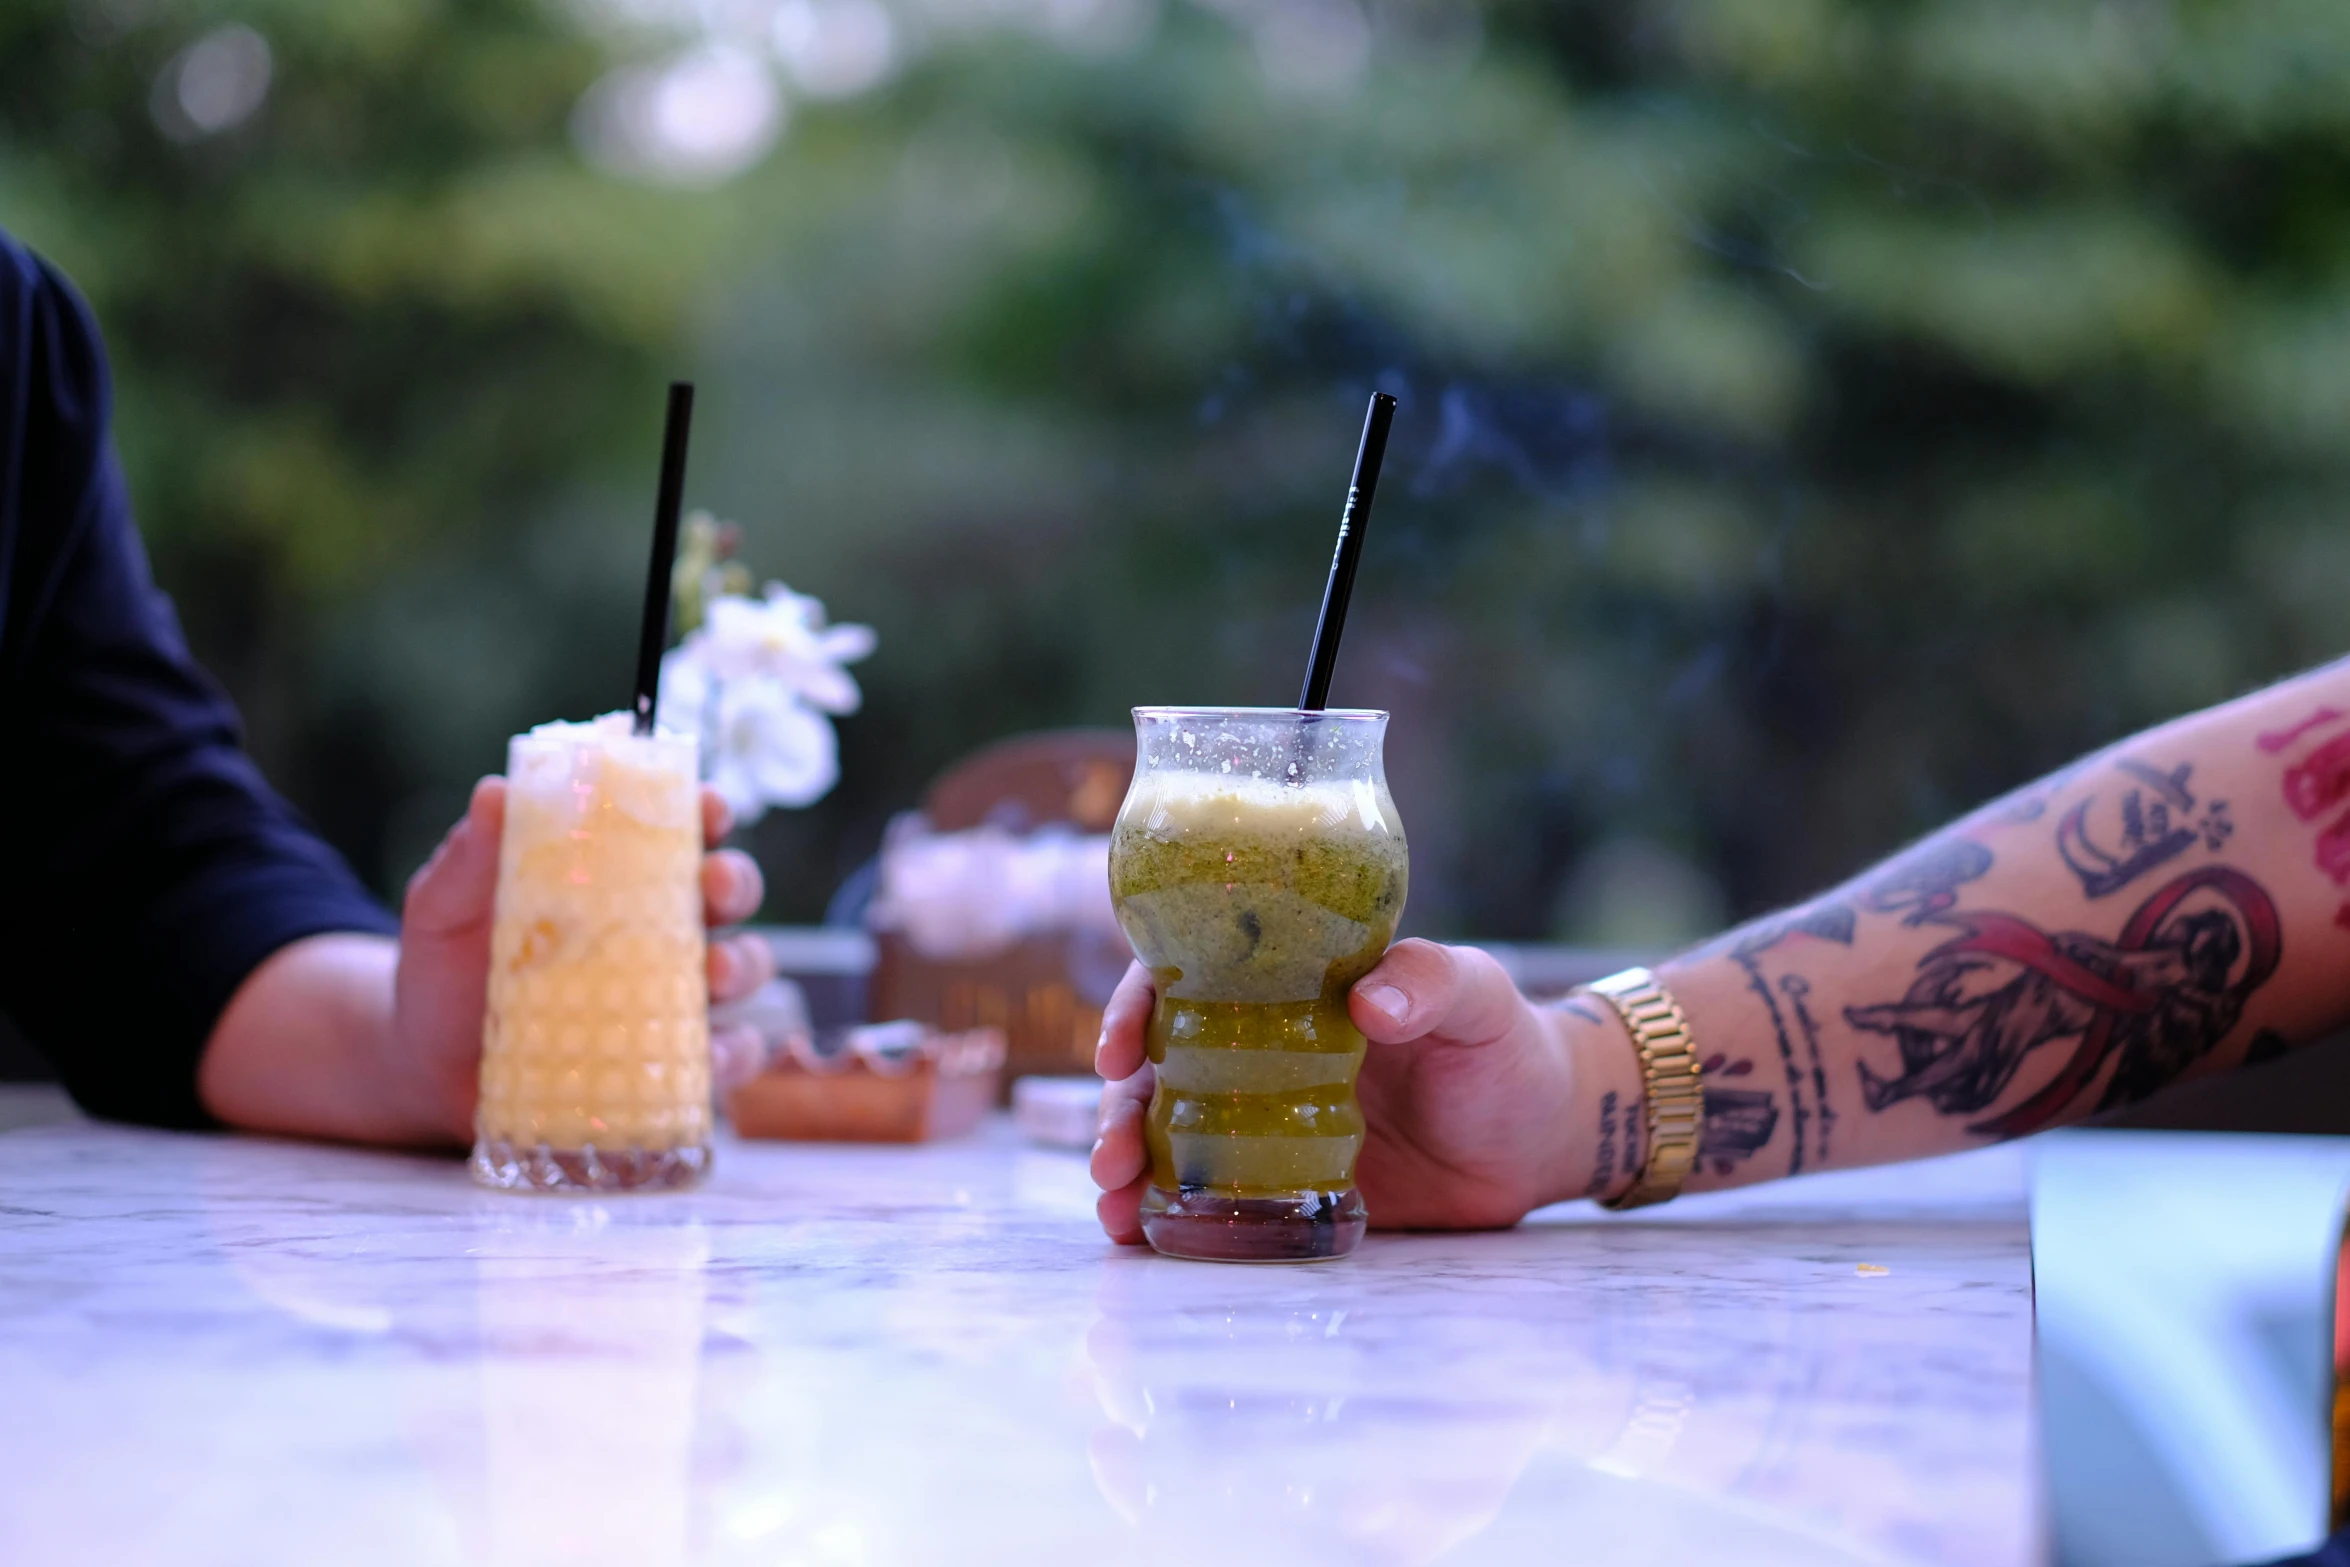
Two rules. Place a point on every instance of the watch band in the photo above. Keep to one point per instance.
(1669, 1083)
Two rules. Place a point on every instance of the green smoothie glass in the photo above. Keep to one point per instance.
(1259, 869)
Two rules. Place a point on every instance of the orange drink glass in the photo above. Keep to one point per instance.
(595, 1062)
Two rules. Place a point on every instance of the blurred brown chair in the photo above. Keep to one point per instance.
(1044, 992)
(1074, 776)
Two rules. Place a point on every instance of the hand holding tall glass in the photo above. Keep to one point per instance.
(1259, 869)
(595, 1065)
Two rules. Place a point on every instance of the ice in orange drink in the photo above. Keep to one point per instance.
(595, 1064)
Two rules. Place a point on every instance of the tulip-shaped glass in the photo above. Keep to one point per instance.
(1259, 868)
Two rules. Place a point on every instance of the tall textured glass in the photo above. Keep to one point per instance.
(595, 1062)
(1259, 869)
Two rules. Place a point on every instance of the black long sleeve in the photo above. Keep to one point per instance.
(145, 867)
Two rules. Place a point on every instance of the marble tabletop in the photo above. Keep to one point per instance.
(232, 1350)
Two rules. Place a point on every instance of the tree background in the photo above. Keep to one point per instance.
(1818, 415)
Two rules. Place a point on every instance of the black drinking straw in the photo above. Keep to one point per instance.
(1349, 554)
(654, 634)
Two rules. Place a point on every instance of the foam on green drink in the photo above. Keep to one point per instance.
(1256, 904)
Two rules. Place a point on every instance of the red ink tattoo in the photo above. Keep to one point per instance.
(2333, 851)
(2342, 916)
(2162, 994)
(2276, 740)
(2320, 779)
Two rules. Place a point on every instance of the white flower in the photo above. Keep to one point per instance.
(783, 637)
(755, 682)
(770, 749)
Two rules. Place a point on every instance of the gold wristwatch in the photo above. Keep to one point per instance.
(1669, 1080)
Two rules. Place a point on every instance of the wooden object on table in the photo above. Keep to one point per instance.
(1073, 776)
(1044, 992)
(882, 1083)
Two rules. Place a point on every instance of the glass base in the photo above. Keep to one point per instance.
(1207, 1227)
(512, 1168)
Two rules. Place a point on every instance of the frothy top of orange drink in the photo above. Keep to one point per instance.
(572, 768)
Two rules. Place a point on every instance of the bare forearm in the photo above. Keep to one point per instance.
(2171, 906)
(307, 1047)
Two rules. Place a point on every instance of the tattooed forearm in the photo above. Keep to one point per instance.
(1797, 1114)
(1619, 1151)
(1796, 989)
(2314, 785)
(1751, 1117)
(1603, 1162)
(1923, 883)
(2152, 823)
(1739, 1122)
(2152, 1002)
(2067, 950)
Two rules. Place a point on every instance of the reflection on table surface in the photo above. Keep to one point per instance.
(240, 1350)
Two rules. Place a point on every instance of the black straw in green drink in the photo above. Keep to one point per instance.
(653, 635)
(1349, 554)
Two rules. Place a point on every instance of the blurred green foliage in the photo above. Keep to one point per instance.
(1819, 414)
